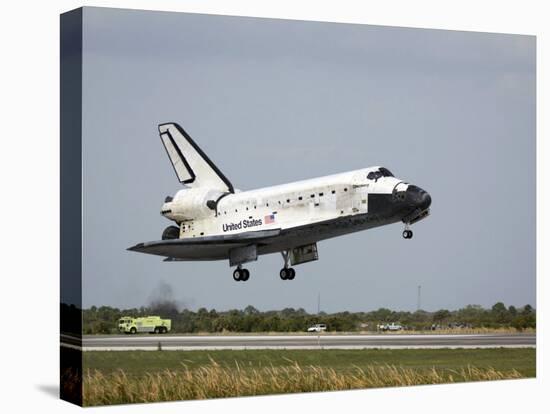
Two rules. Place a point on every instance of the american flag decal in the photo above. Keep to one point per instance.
(269, 219)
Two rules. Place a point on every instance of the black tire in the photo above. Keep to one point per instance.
(291, 273)
(171, 233)
(164, 330)
(246, 275)
(405, 234)
(157, 330)
(410, 234)
(237, 275)
(283, 273)
(133, 330)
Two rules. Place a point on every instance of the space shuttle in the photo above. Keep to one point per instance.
(214, 221)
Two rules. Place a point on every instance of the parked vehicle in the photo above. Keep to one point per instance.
(151, 324)
(390, 327)
(318, 327)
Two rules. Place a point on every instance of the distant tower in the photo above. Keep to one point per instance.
(318, 303)
(418, 303)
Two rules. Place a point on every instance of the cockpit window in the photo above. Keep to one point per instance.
(381, 172)
(373, 175)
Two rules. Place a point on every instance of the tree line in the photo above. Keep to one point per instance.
(104, 319)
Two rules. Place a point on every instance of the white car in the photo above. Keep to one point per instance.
(391, 327)
(318, 327)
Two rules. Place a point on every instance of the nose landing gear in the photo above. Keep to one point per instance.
(407, 233)
(240, 274)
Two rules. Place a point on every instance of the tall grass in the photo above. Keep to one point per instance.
(214, 380)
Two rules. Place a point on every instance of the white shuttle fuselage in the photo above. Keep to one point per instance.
(283, 206)
(214, 221)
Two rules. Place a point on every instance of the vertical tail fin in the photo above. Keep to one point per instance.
(191, 164)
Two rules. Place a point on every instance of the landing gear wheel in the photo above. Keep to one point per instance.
(287, 273)
(292, 273)
(241, 275)
(237, 275)
(407, 234)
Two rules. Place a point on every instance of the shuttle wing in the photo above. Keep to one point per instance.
(205, 248)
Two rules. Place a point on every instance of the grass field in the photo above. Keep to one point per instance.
(144, 376)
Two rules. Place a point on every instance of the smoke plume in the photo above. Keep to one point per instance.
(162, 302)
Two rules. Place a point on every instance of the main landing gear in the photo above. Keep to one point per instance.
(287, 273)
(407, 233)
(240, 274)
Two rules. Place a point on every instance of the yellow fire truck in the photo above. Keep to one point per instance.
(151, 324)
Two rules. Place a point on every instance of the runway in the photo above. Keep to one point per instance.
(313, 341)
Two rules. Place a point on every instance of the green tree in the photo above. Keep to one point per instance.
(441, 315)
(251, 310)
(499, 313)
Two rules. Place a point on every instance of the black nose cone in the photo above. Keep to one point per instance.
(418, 197)
(426, 200)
